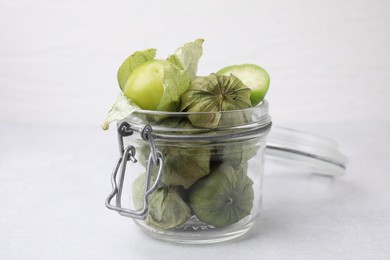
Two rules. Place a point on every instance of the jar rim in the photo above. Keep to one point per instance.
(263, 105)
(247, 122)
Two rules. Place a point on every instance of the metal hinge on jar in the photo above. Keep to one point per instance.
(128, 154)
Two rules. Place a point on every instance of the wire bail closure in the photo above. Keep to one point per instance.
(155, 160)
(128, 154)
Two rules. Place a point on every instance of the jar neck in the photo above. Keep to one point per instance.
(205, 125)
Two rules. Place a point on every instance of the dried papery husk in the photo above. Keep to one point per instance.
(214, 94)
(224, 197)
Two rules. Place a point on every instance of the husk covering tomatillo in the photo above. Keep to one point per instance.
(215, 93)
(184, 163)
(222, 198)
(237, 154)
(166, 207)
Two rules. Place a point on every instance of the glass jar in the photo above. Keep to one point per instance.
(191, 177)
(197, 178)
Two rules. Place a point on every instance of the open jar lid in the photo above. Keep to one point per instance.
(316, 154)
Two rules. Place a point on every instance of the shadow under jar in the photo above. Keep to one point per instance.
(191, 177)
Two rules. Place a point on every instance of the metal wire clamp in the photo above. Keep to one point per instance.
(128, 154)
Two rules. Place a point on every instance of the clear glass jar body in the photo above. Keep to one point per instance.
(211, 182)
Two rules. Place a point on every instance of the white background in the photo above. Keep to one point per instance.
(328, 60)
(329, 63)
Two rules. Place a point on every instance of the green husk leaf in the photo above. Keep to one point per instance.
(214, 93)
(166, 207)
(237, 154)
(222, 198)
(187, 57)
(175, 82)
(180, 125)
(185, 165)
(138, 191)
(131, 63)
(119, 110)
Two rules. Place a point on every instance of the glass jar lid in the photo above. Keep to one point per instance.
(314, 153)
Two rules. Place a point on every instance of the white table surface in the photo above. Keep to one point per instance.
(54, 181)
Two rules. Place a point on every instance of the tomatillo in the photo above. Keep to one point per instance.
(253, 76)
(144, 86)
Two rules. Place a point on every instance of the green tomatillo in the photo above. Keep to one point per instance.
(144, 86)
(222, 198)
(253, 76)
